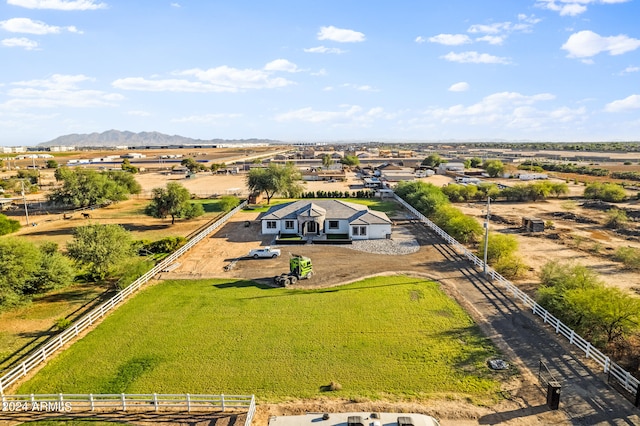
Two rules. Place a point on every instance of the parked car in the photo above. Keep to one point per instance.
(264, 252)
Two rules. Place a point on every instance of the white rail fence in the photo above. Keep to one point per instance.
(623, 377)
(57, 342)
(65, 403)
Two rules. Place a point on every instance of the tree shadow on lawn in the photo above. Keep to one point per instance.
(39, 338)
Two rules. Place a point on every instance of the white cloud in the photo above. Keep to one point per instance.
(281, 65)
(349, 114)
(450, 39)
(20, 42)
(58, 4)
(626, 104)
(572, 7)
(420, 40)
(360, 87)
(176, 5)
(496, 40)
(207, 119)
(165, 85)
(322, 49)
(58, 91)
(139, 113)
(507, 109)
(629, 70)
(220, 79)
(585, 44)
(459, 87)
(27, 26)
(340, 35)
(475, 58)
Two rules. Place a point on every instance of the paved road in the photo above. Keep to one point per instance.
(586, 398)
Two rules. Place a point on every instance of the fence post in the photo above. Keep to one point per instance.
(638, 396)
(91, 402)
(222, 401)
(155, 401)
(188, 403)
(124, 402)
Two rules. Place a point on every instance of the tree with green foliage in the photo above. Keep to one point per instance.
(275, 179)
(559, 188)
(327, 161)
(7, 226)
(432, 160)
(191, 164)
(127, 167)
(424, 197)
(350, 161)
(56, 270)
(494, 168)
(87, 187)
(610, 192)
(174, 201)
(228, 202)
(475, 162)
(26, 270)
(218, 166)
(502, 255)
(465, 229)
(126, 180)
(19, 262)
(100, 248)
(52, 164)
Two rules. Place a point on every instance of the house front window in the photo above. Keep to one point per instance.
(288, 224)
(333, 224)
(359, 230)
(271, 224)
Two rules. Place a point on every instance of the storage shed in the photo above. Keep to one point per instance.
(532, 224)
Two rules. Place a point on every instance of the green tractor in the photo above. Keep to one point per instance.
(300, 267)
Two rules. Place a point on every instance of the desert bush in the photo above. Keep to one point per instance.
(616, 218)
(630, 256)
(63, 323)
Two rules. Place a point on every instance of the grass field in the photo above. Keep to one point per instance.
(381, 338)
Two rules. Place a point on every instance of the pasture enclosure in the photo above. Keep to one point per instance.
(387, 337)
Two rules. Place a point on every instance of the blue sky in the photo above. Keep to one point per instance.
(295, 70)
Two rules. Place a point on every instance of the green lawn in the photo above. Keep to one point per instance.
(390, 337)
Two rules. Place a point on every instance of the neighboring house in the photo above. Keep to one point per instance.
(443, 168)
(326, 217)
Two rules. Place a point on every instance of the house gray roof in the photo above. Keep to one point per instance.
(356, 214)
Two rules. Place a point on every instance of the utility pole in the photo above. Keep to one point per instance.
(486, 234)
(24, 200)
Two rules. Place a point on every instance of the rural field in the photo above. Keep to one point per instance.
(376, 325)
(393, 337)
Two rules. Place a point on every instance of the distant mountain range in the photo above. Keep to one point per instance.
(112, 138)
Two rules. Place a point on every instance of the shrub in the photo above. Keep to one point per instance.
(616, 218)
(7, 226)
(605, 192)
(229, 202)
(63, 323)
(630, 256)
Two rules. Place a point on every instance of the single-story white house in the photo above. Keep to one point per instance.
(326, 217)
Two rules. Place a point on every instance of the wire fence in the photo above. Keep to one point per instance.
(56, 343)
(625, 379)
